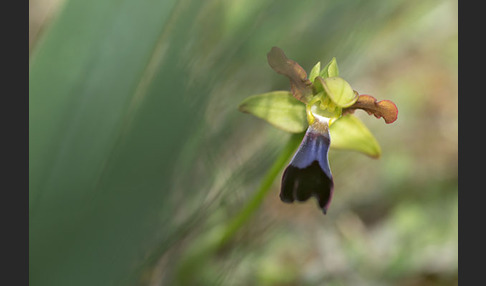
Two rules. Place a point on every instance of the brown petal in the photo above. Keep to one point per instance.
(384, 108)
(299, 84)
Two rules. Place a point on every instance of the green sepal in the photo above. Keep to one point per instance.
(330, 70)
(348, 132)
(339, 90)
(279, 108)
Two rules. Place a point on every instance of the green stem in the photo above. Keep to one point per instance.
(245, 214)
(217, 238)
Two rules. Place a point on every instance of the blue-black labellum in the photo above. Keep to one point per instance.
(308, 174)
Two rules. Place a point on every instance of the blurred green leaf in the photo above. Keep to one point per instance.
(350, 133)
(279, 108)
(106, 129)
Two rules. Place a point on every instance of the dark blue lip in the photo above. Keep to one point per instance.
(308, 174)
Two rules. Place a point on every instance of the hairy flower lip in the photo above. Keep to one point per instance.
(308, 174)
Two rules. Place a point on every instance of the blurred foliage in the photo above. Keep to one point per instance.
(137, 149)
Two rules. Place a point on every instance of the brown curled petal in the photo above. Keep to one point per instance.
(299, 84)
(383, 108)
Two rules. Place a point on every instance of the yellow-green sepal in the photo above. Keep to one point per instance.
(349, 133)
(339, 90)
(279, 108)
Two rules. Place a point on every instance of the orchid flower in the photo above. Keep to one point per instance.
(322, 104)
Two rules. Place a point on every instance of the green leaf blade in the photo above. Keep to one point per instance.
(350, 133)
(278, 108)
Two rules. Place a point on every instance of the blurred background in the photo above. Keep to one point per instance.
(138, 152)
